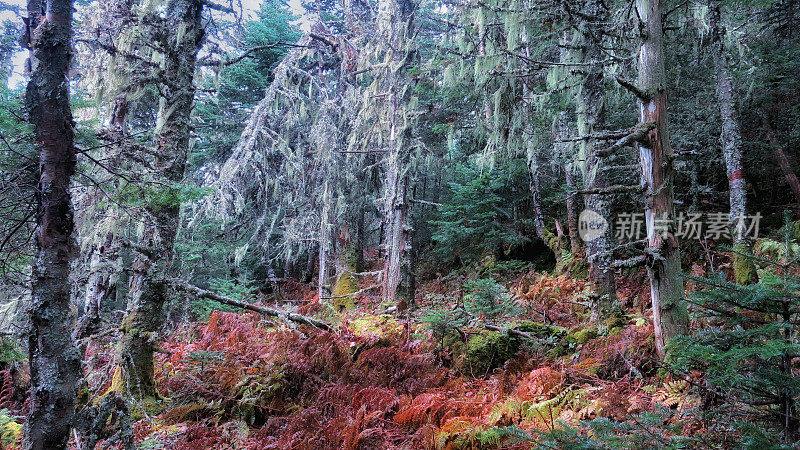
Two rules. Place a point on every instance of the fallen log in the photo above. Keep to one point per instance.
(264, 310)
(511, 331)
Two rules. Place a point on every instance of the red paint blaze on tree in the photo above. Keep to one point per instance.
(666, 287)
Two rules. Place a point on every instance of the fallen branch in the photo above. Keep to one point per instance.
(511, 331)
(217, 7)
(425, 202)
(264, 310)
(624, 246)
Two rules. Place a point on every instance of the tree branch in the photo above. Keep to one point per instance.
(631, 86)
(217, 7)
(620, 189)
(264, 310)
(637, 134)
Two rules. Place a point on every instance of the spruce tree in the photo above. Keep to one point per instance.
(750, 339)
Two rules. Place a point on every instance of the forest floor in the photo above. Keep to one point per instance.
(239, 380)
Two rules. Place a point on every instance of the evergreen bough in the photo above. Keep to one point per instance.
(747, 346)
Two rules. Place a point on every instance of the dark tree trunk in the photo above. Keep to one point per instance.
(591, 119)
(54, 360)
(572, 221)
(536, 192)
(148, 292)
(655, 156)
(783, 161)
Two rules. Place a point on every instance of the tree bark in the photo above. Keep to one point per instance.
(536, 191)
(731, 139)
(325, 240)
(670, 316)
(395, 32)
(783, 161)
(591, 119)
(183, 36)
(54, 361)
(572, 221)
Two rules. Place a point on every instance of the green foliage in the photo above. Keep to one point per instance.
(488, 299)
(158, 196)
(477, 217)
(657, 429)
(10, 430)
(18, 179)
(10, 351)
(749, 340)
(444, 321)
(236, 88)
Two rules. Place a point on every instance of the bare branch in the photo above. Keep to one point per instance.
(631, 86)
(264, 310)
(637, 134)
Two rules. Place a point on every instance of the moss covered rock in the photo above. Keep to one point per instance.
(572, 341)
(383, 325)
(581, 337)
(146, 407)
(616, 322)
(484, 352)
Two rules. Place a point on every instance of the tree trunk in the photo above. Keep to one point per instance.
(395, 32)
(325, 240)
(731, 138)
(395, 233)
(783, 161)
(536, 192)
(54, 361)
(591, 119)
(148, 289)
(670, 317)
(564, 151)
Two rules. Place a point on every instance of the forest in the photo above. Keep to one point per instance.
(399, 224)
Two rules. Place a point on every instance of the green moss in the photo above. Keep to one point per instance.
(572, 341)
(343, 291)
(484, 352)
(581, 337)
(616, 322)
(150, 405)
(384, 325)
(744, 269)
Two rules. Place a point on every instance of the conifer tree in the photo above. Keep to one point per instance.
(656, 159)
(54, 362)
(749, 339)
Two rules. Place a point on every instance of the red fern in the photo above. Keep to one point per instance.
(7, 390)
